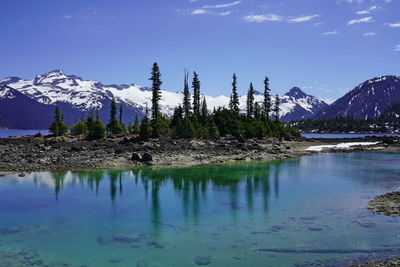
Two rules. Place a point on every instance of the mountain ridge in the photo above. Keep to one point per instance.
(367, 100)
(81, 96)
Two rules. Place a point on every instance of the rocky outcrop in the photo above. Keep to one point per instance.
(388, 204)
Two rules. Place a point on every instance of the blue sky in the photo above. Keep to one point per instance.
(326, 47)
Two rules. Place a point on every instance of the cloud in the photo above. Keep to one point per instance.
(262, 18)
(303, 19)
(199, 12)
(393, 25)
(222, 5)
(206, 9)
(67, 17)
(360, 1)
(226, 13)
(362, 20)
(397, 48)
(331, 33)
(278, 18)
(369, 34)
(367, 11)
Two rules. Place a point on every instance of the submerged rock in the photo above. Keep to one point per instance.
(202, 260)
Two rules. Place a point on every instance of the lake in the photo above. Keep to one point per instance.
(299, 212)
(7, 133)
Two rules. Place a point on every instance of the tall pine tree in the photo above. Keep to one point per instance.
(113, 125)
(204, 110)
(187, 106)
(120, 114)
(156, 89)
(58, 127)
(276, 107)
(267, 98)
(257, 111)
(196, 94)
(250, 101)
(234, 102)
(145, 128)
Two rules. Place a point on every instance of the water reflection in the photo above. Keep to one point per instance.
(192, 185)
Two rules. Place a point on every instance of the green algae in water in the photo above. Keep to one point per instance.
(302, 212)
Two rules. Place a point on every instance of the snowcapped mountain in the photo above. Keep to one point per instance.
(77, 97)
(368, 100)
(298, 105)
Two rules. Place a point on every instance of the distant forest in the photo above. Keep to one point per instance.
(387, 122)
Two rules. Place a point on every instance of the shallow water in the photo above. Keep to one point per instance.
(306, 211)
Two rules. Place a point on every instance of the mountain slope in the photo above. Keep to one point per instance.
(368, 100)
(77, 97)
(300, 105)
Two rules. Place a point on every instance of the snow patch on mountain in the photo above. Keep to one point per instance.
(367, 100)
(6, 92)
(55, 86)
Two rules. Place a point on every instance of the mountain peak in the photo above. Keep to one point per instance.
(296, 92)
(55, 72)
(50, 77)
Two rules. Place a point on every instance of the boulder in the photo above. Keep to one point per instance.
(136, 157)
(147, 157)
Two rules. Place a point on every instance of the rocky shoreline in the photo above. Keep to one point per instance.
(379, 263)
(387, 204)
(45, 153)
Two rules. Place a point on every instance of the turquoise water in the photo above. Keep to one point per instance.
(306, 211)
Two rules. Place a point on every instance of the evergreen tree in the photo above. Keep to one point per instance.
(97, 131)
(267, 98)
(234, 102)
(90, 120)
(257, 111)
(156, 88)
(58, 127)
(136, 125)
(204, 110)
(196, 94)
(188, 130)
(250, 101)
(145, 129)
(186, 96)
(79, 128)
(113, 125)
(177, 120)
(276, 107)
(213, 130)
(120, 114)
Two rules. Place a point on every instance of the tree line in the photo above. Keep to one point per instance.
(387, 122)
(190, 119)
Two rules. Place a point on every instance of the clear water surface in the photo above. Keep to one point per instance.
(308, 211)
(8, 133)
